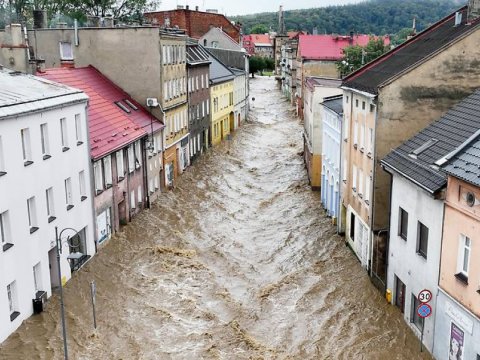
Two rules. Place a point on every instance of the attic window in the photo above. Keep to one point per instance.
(66, 52)
(132, 105)
(123, 107)
(424, 147)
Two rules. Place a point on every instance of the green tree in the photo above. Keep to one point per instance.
(401, 36)
(256, 63)
(259, 29)
(269, 64)
(355, 56)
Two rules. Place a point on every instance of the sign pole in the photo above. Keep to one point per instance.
(93, 291)
(421, 338)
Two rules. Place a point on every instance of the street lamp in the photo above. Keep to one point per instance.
(73, 256)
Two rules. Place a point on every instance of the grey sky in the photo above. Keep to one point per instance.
(242, 7)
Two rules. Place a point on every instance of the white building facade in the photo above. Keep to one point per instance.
(412, 268)
(45, 184)
(331, 114)
(240, 99)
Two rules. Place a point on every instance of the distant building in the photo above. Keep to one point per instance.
(221, 100)
(44, 184)
(198, 68)
(240, 99)
(119, 130)
(385, 103)
(217, 38)
(258, 45)
(331, 117)
(196, 23)
(317, 55)
(316, 90)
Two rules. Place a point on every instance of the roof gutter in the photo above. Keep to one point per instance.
(366, 94)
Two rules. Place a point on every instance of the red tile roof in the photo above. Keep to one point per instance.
(258, 38)
(329, 47)
(110, 127)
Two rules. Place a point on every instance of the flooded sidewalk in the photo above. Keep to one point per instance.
(238, 262)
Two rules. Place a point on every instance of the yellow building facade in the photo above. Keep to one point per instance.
(221, 105)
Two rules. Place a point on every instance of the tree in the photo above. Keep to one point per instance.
(259, 29)
(256, 63)
(401, 36)
(269, 64)
(355, 56)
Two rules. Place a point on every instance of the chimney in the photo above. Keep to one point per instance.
(350, 40)
(39, 19)
(187, 7)
(196, 8)
(315, 31)
(473, 10)
(15, 32)
(179, 7)
(458, 18)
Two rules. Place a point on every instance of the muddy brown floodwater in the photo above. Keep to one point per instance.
(238, 262)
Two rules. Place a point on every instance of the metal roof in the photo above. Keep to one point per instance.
(334, 103)
(110, 127)
(410, 54)
(219, 72)
(197, 55)
(21, 94)
(450, 131)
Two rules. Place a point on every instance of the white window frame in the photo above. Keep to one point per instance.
(98, 176)
(82, 185)
(32, 214)
(140, 197)
(37, 277)
(44, 141)
(133, 203)
(78, 129)
(4, 229)
(131, 159)
(66, 55)
(3, 170)
(107, 171)
(50, 201)
(26, 146)
(464, 254)
(68, 193)
(354, 179)
(64, 134)
(120, 165)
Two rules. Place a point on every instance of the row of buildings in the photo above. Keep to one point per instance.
(394, 148)
(95, 123)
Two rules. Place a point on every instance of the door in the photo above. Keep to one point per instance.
(400, 294)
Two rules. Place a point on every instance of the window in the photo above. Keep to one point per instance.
(201, 80)
(107, 171)
(132, 199)
(139, 192)
(138, 154)
(68, 193)
(2, 159)
(362, 137)
(206, 80)
(131, 158)
(463, 263)
(44, 139)
(356, 102)
(422, 240)
(352, 226)
(98, 175)
(402, 223)
(37, 277)
(82, 186)
(414, 318)
(64, 133)
(78, 129)
(354, 178)
(370, 140)
(120, 165)
(32, 215)
(50, 205)
(150, 186)
(12, 300)
(400, 294)
(27, 150)
(156, 183)
(4, 231)
(66, 51)
(363, 105)
(367, 189)
(346, 99)
(360, 182)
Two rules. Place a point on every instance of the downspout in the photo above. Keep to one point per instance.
(340, 176)
(145, 172)
(372, 207)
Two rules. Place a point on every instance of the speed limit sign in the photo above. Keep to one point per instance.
(425, 296)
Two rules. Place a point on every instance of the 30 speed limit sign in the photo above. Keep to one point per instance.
(425, 296)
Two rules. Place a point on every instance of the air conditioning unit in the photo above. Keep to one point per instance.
(152, 102)
(39, 302)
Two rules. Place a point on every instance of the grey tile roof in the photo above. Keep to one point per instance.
(197, 55)
(334, 103)
(219, 72)
(450, 131)
(466, 164)
(412, 52)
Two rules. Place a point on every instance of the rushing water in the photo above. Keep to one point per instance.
(238, 262)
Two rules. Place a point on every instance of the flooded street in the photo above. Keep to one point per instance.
(238, 262)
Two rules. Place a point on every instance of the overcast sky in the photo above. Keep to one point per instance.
(242, 7)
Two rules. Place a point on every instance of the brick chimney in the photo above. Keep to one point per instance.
(473, 10)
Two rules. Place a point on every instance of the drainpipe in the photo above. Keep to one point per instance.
(340, 178)
(145, 172)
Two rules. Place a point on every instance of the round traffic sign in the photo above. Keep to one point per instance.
(424, 296)
(424, 310)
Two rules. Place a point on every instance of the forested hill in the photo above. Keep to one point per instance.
(370, 17)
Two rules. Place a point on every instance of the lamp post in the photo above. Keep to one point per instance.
(58, 239)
